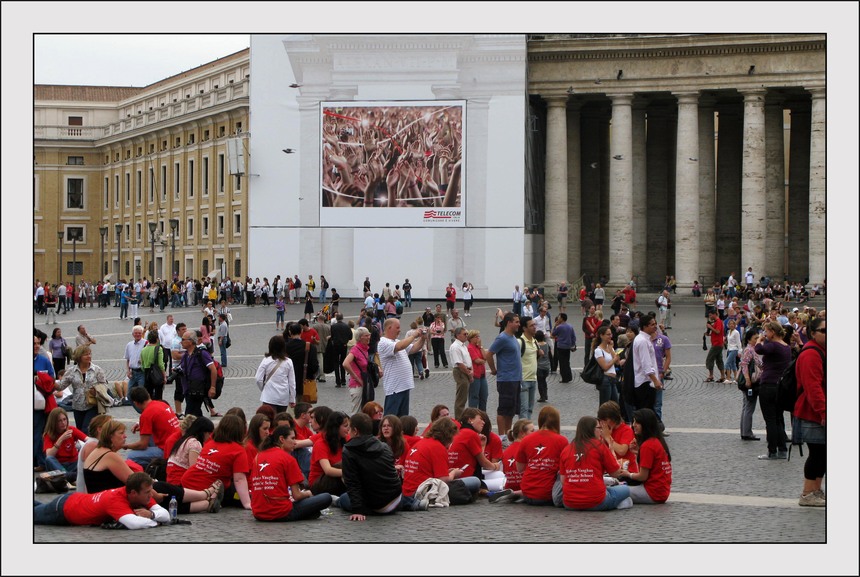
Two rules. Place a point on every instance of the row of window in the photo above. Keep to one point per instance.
(73, 232)
(177, 143)
(77, 268)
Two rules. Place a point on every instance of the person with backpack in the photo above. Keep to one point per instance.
(776, 356)
(199, 374)
(809, 424)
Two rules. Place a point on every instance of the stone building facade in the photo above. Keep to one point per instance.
(667, 155)
(109, 161)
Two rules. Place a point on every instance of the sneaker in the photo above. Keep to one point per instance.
(768, 457)
(335, 501)
(820, 494)
(811, 500)
(494, 498)
(625, 504)
(426, 373)
(782, 454)
(423, 504)
(542, 400)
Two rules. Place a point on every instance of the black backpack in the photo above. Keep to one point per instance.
(786, 391)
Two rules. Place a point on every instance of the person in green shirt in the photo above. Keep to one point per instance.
(153, 355)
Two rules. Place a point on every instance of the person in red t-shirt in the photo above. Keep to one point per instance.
(450, 297)
(59, 442)
(258, 430)
(655, 461)
(326, 475)
(391, 433)
(467, 449)
(513, 476)
(276, 492)
(223, 457)
(583, 464)
(715, 354)
(157, 424)
(538, 460)
(617, 435)
(428, 458)
(132, 505)
(410, 426)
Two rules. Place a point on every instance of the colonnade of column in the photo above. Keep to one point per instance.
(691, 185)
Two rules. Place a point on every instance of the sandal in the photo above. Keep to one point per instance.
(214, 494)
(709, 380)
(721, 380)
(215, 414)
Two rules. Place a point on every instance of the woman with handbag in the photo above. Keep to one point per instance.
(750, 370)
(356, 363)
(437, 340)
(60, 351)
(276, 377)
(606, 357)
(82, 378)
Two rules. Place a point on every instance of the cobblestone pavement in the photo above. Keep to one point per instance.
(721, 493)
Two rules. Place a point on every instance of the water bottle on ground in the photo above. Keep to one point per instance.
(172, 509)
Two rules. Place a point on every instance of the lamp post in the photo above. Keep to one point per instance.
(103, 231)
(174, 224)
(60, 263)
(118, 250)
(152, 227)
(74, 262)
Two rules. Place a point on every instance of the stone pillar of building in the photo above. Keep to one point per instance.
(638, 216)
(659, 149)
(555, 220)
(774, 241)
(818, 188)
(728, 206)
(574, 192)
(753, 187)
(797, 238)
(687, 190)
(590, 239)
(707, 184)
(620, 230)
(605, 225)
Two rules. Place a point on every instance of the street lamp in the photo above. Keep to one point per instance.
(60, 235)
(174, 225)
(103, 231)
(75, 234)
(152, 227)
(118, 227)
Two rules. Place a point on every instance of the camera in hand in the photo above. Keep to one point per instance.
(174, 375)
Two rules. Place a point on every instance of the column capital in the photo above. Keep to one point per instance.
(621, 99)
(753, 94)
(687, 97)
(818, 92)
(556, 101)
(450, 91)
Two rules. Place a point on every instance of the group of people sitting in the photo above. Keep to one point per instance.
(289, 468)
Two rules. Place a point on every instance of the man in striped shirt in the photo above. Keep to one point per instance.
(396, 368)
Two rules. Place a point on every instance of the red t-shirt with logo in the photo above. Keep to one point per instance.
(272, 476)
(540, 452)
(427, 459)
(494, 449)
(322, 451)
(653, 457)
(216, 461)
(623, 435)
(303, 433)
(96, 508)
(509, 465)
(583, 484)
(411, 440)
(67, 451)
(159, 420)
(251, 451)
(464, 451)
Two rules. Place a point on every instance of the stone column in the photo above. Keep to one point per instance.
(753, 184)
(604, 226)
(640, 207)
(590, 242)
(729, 161)
(797, 240)
(687, 191)
(574, 192)
(707, 183)
(620, 191)
(818, 188)
(556, 225)
(774, 241)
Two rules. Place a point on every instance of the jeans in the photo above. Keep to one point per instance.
(308, 508)
(50, 513)
(143, 456)
(303, 457)
(542, 374)
(71, 468)
(527, 398)
(472, 483)
(416, 363)
(614, 496)
(322, 296)
(39, 420)
(123, 310)
(658, 404)
(555, 500)
(608, 390)
(136, 379)
(223, 351)
(408, 297)
(83, 418)
(397, 404)
(747, 413)
(774, 419)
(478, 393)
(406, 504)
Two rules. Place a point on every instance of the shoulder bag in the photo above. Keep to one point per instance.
(309, 386)
(369, 380)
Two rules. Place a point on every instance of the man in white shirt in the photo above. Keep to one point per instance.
(646, 377)
(663, 308)
(61, 298)
(463, 375)
(132, 358)
(396, 368)
(749, 278)
(166, 332)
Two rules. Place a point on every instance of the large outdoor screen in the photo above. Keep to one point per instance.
(393, 164)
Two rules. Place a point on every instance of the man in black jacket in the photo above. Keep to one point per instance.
(340, 335)
(296, 353)
(373, 485)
